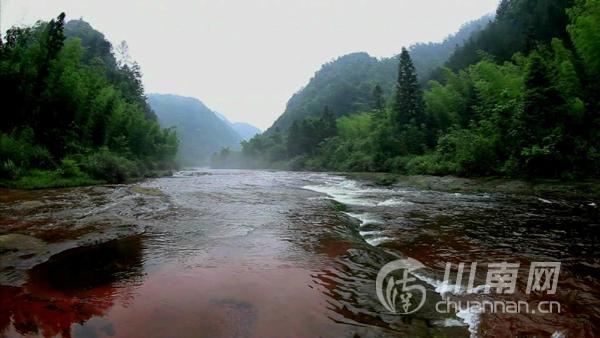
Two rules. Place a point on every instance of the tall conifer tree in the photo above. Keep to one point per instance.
(408, 106)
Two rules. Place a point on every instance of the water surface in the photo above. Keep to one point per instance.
(268, 254)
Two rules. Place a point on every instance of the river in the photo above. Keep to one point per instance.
(227, 253)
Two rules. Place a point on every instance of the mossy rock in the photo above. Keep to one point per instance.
(147, 191)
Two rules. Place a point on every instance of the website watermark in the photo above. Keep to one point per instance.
(399, 292)
(498, 306)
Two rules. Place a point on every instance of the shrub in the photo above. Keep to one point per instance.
(358, 162)
(467, 152)
(386, 180)
(40, 179)
(110, 167)
(430, 164)
(397, 164)
(9, 170)
(298, 163)
(18, 148)
(69, 168)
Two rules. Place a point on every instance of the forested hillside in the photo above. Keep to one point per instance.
(347, 82)
(520, 26)
(72, 113)
(201, 131)
(520, 98)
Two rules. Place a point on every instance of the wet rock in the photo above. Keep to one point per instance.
(23, 252)
(542, 187)
(32, 204)
(34, 225)
(19, 242)
(147, 191)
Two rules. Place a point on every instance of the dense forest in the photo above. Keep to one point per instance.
(74, 112)
(518, 98)
(347, 82)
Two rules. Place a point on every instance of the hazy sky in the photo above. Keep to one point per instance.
(246, 58)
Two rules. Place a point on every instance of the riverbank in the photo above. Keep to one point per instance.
(587, 188)
(37, 224)
(46, 179)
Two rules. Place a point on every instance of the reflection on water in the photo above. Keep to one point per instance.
(264, 254)
(436, 227)
(107, 263)
(70, 288)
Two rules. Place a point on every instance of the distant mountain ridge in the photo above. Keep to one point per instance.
(200, 130)
(346, 84)
(245, 130)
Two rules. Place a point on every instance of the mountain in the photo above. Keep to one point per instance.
(429, 57)
(245, 130)
(222, 117)
(519, 26)
(201, 131)
(345, 85)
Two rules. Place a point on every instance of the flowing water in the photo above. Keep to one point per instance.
(280, 254)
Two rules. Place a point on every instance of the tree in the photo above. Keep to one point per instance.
(65, 100)
(327, 126)
(520, 26)
(408, 105)
(46, 117)
(518, 98)
(502, 8)
(378, 98)
(540, 126)
(585, 19)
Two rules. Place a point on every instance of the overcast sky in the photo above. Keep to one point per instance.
(246, 58)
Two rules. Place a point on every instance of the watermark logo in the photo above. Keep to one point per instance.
(400, 296)
(543, 276)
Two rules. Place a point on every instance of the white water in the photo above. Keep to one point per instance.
(365, 218)
(471, 318)
(351, 193)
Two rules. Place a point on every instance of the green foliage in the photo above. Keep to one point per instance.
(430, 164)
(338, 206)
(542, 105)
(444, 104)
(408, 103)
(467, 152)
(358, 126)
(306, 135)
(518, 99)
(584, 32)
(378, 100)
(520, 25)
(66, 96)
(41, 179)
(18, 152)
(112, 168)
(386, 180)
(69, 168)
(346, 84)
(264, 150)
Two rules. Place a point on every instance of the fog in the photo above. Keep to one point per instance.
(246, 58)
